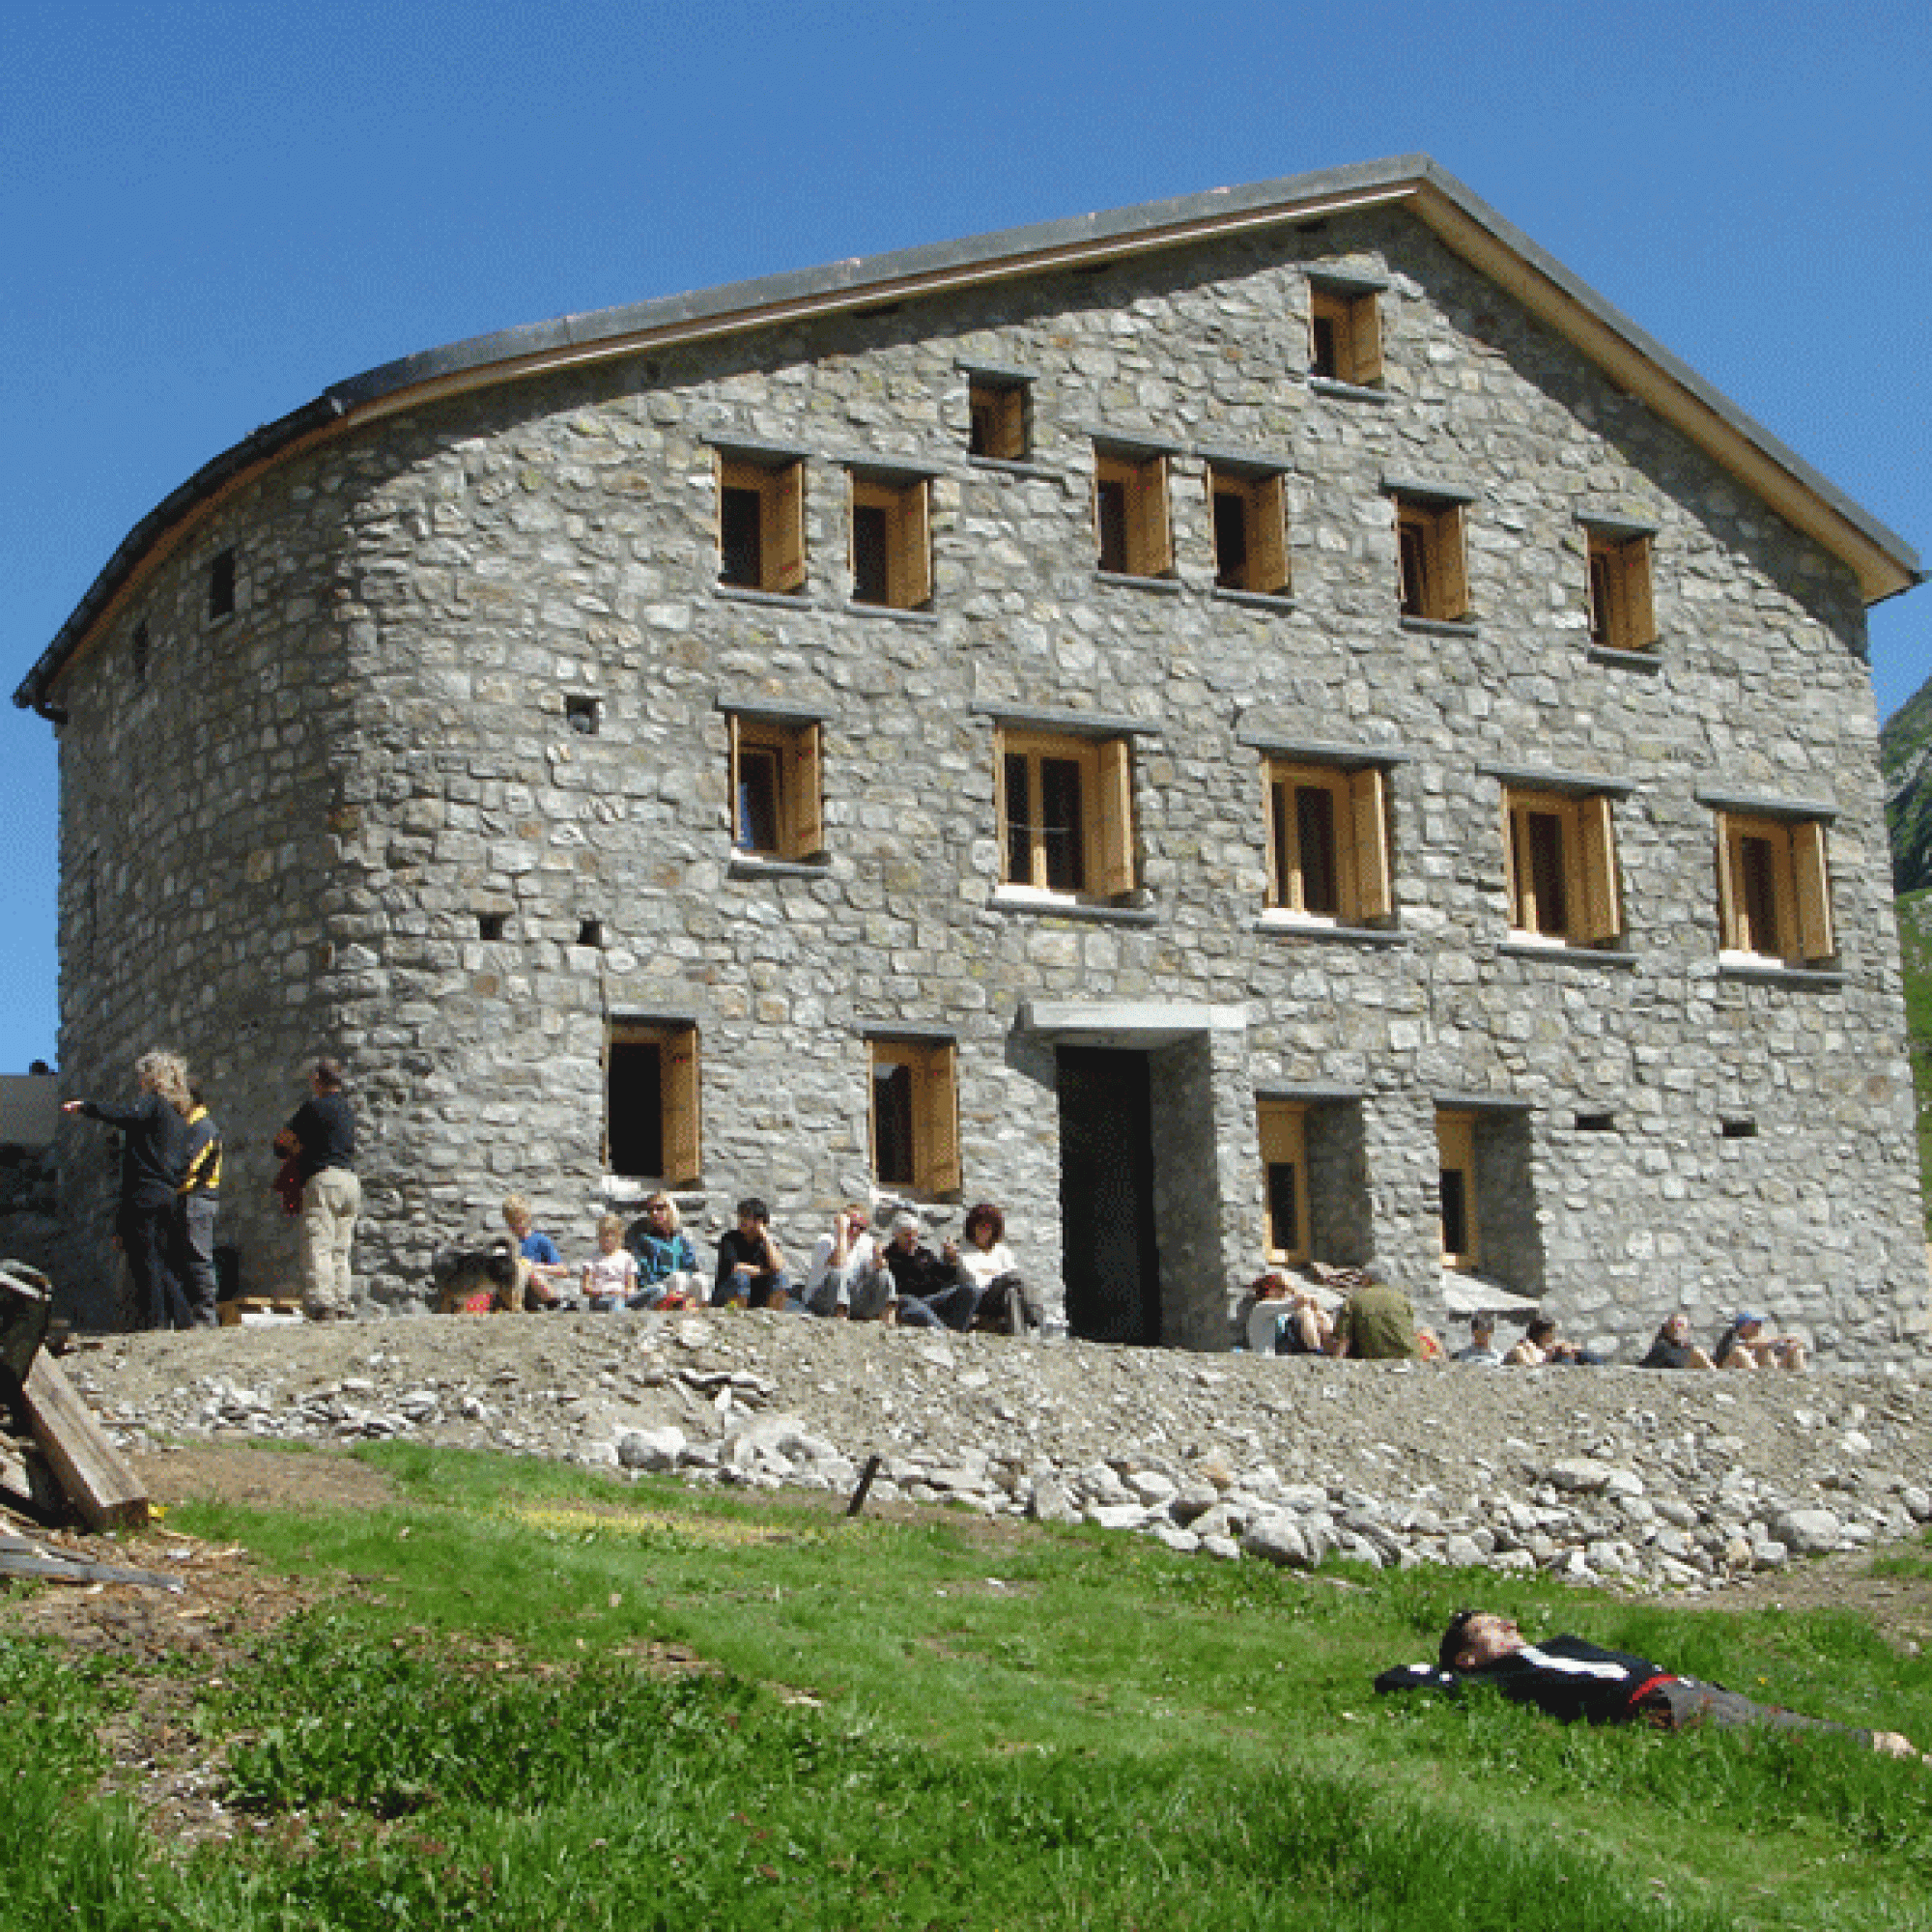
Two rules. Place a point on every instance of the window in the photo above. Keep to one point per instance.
(141, 652)
(774, 786)
(221, 586)
(1327, 843)
(1345, 334)
(1066, 811)
(1002, 418)
(1456, 1146)
(892, 542)
(1560, 857)
(493, 925)
(1284, 1134)
(1130, 518)
(762, 522)
(651, 1116)
(1428, 535)
(1773, 889)
(1621, 617)
(1250, 529)
(583, 715)
(915, 1116)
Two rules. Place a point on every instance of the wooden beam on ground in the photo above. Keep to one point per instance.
(91, 1471)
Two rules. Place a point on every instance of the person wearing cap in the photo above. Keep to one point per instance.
(1570, 1678)
(1745, 1345)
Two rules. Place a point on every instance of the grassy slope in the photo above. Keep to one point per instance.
(1914, 946)
(1028, 1729)
(1902, 743)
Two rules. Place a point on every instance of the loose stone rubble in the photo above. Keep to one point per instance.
(1647, 1480)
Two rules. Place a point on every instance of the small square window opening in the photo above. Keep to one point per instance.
(1622, 615)
(1560, 857)
(1344, 335)
(892, 542)
(1131, 515)
(583, 715)
(221, 586)
(493, 925)
(761, 524)
(915, 1116)
(1002, 420)
(651, 1102)
(1250, 530)
(1065, 811)
(1328, 844)
(1773, 889)
(1429, 542)
(776, 802)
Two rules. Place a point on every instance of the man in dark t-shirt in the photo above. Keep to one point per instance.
(322, 1140)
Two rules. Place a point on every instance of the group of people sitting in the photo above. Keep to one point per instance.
(854, 1275)
(1375, 1320)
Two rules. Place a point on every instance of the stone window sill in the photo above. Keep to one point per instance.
(1646, 660)
(1560, 952)
(1284, 925)
(1062, 905)
(1350, 392)
(749, 866)
(1753, 971)
(1004, 465)
(1441, 627)
(1259, 600)
(743, 593)
(1167, 586)
(854, 608)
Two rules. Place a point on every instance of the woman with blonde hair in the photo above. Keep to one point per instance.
(154, 1159)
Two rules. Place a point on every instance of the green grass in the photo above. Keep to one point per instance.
(934, 1724)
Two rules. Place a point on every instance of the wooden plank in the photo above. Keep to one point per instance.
(93, 1473)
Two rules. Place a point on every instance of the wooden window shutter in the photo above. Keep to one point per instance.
(1001, 807)
(1730, 934)
(912, 547)
(1272, 784)
(1516, 856)
(806, 830)
(1639, 611)
(731, 803)
(1151, 537)
(1116, 816)
(937, 1151)
(1267, 535)
(1813, 886)
(1013, 423)
(784, 501)
(680, 1105)
(1367, 806)
(1452, 572)
(1597, 861)
(1363, 342)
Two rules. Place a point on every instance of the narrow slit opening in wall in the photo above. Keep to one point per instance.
(141, 652)
(1596, 1123)
(221, 586)
(590, 932)
(1737, 1127)
(492, 925)
(580, 714)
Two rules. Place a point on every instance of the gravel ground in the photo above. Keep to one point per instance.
(1618, 1474)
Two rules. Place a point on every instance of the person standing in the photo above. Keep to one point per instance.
(197, 1205)
(153, 1157)
(321, 1139)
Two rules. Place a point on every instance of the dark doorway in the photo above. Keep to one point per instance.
(1111, 1265)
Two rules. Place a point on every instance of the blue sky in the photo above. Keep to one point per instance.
(209, 212)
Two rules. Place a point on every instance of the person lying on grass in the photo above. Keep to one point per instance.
(1571, 1679)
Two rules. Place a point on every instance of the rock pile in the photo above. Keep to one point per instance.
(1657, 1480)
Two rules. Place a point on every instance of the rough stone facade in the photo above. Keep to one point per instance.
(284, 828)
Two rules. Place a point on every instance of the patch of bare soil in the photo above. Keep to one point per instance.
(244, 1474)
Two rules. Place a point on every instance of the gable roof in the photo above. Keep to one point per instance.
(1883, 562)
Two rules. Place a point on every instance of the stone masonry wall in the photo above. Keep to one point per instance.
(283, 841)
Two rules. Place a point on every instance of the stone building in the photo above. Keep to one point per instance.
(1274, 722)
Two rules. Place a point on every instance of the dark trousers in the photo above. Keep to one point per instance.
(194, 1257)
(147, 1231)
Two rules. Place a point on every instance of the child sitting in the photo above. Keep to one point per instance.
(667, 1275)
(612, 1279)
(540, 1270)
